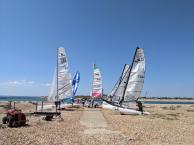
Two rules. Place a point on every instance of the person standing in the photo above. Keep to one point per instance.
(140, 106)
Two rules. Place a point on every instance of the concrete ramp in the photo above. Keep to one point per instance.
(96, 130)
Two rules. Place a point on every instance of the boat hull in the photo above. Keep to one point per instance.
(123, 111)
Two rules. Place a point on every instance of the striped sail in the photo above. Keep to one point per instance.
(61, 87)
(136, 78)
(97, 83)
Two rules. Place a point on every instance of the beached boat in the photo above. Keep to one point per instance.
(96, 83)
(128, 88)
(62, 88)
(97, 90)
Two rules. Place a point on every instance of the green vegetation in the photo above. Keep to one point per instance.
(165, 117)
(171, 107)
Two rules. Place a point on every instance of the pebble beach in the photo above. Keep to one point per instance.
(167, 125)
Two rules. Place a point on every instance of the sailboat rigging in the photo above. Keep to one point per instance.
(129, 86)
(62, 87)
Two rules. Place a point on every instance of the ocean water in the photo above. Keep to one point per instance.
(40, 98)
(22, 98)
(168, 102)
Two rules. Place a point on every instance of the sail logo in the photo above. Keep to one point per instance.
(139, 59)
(96, 74)
(140, 76)
(63, 60)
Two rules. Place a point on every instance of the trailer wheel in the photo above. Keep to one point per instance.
(10, 121)
(23, 121)
(49, 117)
(14, 124)
(4, 120)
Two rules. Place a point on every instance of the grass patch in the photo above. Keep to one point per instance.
(190, 110)
(2, 126)
(6, 107)
(171, 107)
(165, 117)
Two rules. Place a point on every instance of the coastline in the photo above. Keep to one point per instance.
(168, 100)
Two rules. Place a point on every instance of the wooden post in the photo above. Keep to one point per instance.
(14, 105)
(42, 106)
(9, 104)
(36, 106)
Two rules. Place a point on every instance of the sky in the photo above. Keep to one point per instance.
(105, 32)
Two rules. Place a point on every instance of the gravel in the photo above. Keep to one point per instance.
(41, 132)
(167, 125)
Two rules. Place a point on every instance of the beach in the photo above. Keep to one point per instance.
(167, 125)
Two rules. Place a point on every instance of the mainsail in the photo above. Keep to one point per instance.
(61, 87)
(129, 86)
(136, 77)
(97, 83)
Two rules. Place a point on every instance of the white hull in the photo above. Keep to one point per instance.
(123, 111)
(126, 111)
(108, 106)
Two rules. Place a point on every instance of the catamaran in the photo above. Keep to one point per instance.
(96, 83)
(97, 90)
(128, 88)
(62, 87)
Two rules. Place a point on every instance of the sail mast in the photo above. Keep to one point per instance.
(92, 81)
(57, 74)
(129, 75)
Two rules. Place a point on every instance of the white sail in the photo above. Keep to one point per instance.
(136, 78)
(97, 83)
(61, 86)
(53, 91)
(118, 91)
(129, 87)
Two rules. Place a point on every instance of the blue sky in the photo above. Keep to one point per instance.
(105, 32)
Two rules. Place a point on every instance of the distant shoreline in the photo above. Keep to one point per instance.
(169, 100)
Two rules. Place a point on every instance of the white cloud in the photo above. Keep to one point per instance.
(23, 83)
(18, 83)
(46, 84)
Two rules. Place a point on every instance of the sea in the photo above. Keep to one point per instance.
(168, 102)
(40, 99)
(23, 98)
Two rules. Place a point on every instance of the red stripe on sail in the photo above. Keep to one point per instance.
(96, 95)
